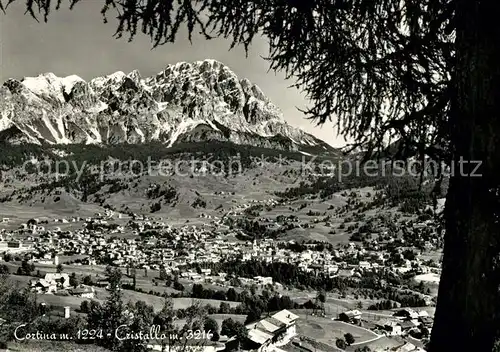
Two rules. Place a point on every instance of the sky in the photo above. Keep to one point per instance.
(78, 42)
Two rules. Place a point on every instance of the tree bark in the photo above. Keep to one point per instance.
(468, 310)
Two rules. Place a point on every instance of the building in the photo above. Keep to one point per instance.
(62, 279)
(406, 314)
(351, 316)
(261, 280)
(271, 332)
(83, 291)
(67, 312)
(408, 325)
(391, 328)
(426, 321)
(50, 283)
(44, 287)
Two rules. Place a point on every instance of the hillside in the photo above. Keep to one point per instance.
(248, 192)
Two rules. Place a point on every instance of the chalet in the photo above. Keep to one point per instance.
(60, 279)
(259, 339)
(408, 325)
(83, 291)
(261, 280)
(390, 327)
(42, 286)
(351, 316)
(406, 314)
(289, 319)
(271, 332)
(426, 321)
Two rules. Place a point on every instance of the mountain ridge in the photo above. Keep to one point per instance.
(186, 102)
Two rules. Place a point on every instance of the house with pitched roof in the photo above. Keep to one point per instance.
(269, 333)
(406, 314)
(83, 291)
(351, 316)
(43, 286)
(50, 283)
(390, 327)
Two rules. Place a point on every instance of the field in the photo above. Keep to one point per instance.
(256, 183)
(221, 317)
(97, 272)
(328, 331)
(131, 296)
(381, 344)
(334, 305)
(20, 213)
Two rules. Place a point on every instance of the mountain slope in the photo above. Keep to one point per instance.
(187, 102)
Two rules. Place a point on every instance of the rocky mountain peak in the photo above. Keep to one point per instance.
(186, 102)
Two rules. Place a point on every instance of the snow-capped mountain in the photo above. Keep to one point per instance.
(187, 102)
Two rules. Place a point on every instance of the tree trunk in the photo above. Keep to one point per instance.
(468, 310)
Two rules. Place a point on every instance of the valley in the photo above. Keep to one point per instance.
(185, 198)
(271, 227)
